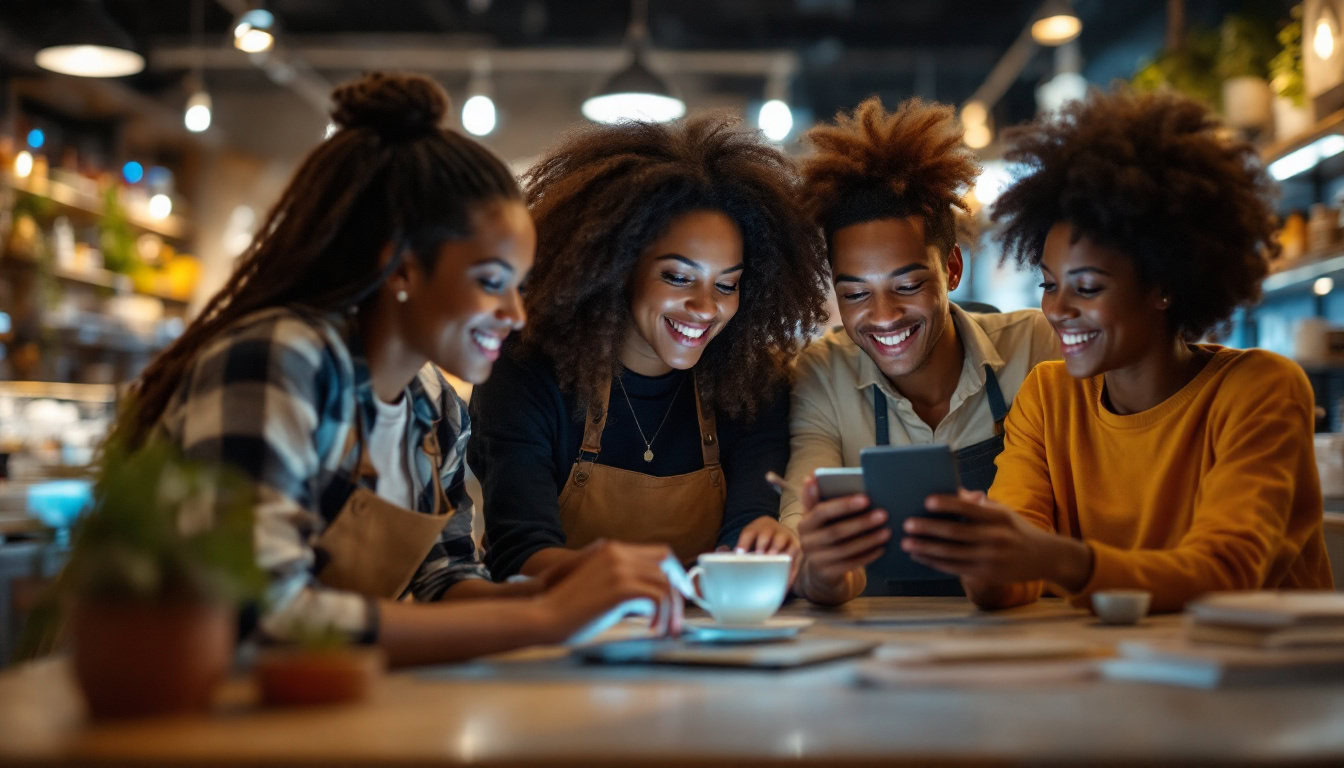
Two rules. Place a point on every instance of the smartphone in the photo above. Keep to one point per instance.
(834, 482)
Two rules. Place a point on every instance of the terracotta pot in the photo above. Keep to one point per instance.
(293, 676)
(144, 658)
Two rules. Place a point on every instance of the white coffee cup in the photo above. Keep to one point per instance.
(741, 588)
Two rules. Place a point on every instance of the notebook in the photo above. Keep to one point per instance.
(1268, 608)
(1179, 662)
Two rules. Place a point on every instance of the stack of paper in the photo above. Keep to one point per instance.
(1268, 619)
(1244, 638)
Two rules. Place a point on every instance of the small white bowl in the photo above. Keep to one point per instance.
(1121, 606)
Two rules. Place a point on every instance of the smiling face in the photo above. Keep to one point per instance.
(1106, 319)
(683, 291)
(892, 287)
(458, 314)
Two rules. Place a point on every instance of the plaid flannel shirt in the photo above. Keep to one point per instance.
(275, 396)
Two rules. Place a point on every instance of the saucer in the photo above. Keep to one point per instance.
(711, 631)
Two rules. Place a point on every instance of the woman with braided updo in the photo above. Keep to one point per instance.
(676, 278)
(1145, 459)
(397, 247)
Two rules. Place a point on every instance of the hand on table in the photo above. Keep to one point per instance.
(607, 574)
(993, 544)
(838, 537)
(768, 536)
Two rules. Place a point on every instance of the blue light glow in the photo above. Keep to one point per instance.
(133, 172)
(36, 138)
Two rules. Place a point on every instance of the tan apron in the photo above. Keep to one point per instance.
(375, 546)
(683, 511)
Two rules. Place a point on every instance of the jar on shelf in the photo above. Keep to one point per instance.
(1293, 236)
(1322, 228)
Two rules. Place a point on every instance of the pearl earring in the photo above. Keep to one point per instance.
(401, 296)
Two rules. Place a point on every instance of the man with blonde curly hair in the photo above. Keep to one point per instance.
(909, 367)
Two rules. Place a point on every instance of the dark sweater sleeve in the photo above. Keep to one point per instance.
(749, 451)
(516, 418)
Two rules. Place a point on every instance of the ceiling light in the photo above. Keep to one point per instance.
(88, 43)
(974, 113)
(775, 119)
(978, 136)
(23, 164)
(1056, 24)
(635, 92)
(478, 115)
(197, 117)
(160, 206)
(1322, 286)
(255, 31)
(1323, 39)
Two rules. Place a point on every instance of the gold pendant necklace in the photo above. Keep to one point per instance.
(648, 442)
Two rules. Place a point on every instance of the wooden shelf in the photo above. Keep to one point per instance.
(91, 205)
(1302, 272)
(97, 277)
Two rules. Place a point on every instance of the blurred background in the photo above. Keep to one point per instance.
(141, 142)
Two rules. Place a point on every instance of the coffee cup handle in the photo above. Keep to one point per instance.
(696, 592)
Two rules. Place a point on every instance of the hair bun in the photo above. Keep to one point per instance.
(394, 105)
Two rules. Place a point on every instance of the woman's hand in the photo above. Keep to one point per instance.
(609, 573)
(768, 536)
(993, 545)
(839, 540)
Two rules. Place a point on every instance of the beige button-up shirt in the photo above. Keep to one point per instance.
(832, 414)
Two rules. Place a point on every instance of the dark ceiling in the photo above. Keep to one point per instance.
(848, 49)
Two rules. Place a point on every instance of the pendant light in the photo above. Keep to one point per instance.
(88, 43)
(1056, 23)
(635, 92)
(197, 115)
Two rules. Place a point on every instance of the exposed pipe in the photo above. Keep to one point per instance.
(282, 64)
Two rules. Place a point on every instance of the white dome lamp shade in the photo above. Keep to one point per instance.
(86, 42)
(635, 92)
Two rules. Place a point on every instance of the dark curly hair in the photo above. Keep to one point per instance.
(874, 164)
(1156, 177)
(390, 174)
(608, 191)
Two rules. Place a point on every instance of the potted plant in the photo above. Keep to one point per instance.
(1244, 51)
(1292, 115)
(1188, 69)
(320, 666)
(157, 570)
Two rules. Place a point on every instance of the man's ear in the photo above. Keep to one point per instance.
(954, 267)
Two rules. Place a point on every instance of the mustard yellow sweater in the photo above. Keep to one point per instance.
(1215, 488)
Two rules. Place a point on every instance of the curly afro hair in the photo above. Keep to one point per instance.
(875, 164)
(609, 191)
(1156, 177)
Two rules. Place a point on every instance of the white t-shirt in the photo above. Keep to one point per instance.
(387, 451)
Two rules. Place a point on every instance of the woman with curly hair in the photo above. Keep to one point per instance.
(909, 367)
(1144, 459)
(676, 278)
(397, 248)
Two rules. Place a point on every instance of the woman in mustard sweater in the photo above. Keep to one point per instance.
(1143, 459)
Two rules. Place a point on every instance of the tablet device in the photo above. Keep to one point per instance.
(898, 478)
(797, 652)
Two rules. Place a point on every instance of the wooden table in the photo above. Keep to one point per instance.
(539, 708)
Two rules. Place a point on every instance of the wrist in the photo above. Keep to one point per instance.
(1072, 563)
(826, 591)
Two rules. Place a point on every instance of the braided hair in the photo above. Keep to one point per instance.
(389, 174)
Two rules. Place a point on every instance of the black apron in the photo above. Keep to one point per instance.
(975, 467)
